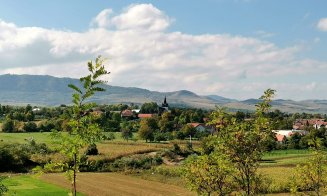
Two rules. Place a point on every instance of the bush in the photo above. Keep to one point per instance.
(180, 135)
(201, 134)
(134, 162)
(126, 134)
(159, 136)
(46, 126)
(177, 149)
(8, 126)
(91, 150)
(110, 136)
(167, 171)
(17, 157)
(30, 127)
(14, 158)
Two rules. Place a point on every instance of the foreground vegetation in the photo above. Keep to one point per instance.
(278, 165)
(231, 153)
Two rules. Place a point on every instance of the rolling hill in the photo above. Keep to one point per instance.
(52, 91)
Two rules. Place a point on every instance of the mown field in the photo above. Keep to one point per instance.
(24, 137)
(28, 185)
(277, 166)
(99, 184)
(117, 184)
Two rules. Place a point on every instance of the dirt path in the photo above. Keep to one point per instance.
(101, 184)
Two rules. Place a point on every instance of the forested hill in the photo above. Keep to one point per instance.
(51, 91)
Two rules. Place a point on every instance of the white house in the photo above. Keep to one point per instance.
(201, 127)
(289, 133)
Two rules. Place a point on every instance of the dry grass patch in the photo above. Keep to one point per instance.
(280, 177)
(114, 150)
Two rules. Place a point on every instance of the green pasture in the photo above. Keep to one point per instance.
(21, 138)
(27, 185)
(284, 158)
(43, 137)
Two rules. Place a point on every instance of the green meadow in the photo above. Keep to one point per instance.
(28, 185)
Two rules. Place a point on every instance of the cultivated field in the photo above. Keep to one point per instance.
(116, 184)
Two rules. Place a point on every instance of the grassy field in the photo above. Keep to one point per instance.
(284, 158)
(39, 137)
(27, 185)
(23, 137)
(276, 165)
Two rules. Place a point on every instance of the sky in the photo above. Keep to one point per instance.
(231, 48)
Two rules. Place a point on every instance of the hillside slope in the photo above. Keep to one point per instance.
(52, 91)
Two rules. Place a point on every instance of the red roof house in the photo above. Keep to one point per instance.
(146, 115)
(281, 138)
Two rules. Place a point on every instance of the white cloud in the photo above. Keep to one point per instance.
(322, 24)
(103, 18)
(141, 53)
(135, 17)
(143, 17)
(264, 34)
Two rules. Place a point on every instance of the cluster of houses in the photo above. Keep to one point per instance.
(299, 127)
(283, 135)
(201, 127)
(303, 123)
(136, 112)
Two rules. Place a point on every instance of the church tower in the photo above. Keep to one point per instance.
(164, 105)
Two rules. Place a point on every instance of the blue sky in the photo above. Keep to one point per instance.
(232, 48)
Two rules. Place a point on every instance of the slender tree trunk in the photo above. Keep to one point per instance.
(74, 177)
(248, 184)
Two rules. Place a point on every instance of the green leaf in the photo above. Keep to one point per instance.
(98, 89)
(72, 86)
(90, 66)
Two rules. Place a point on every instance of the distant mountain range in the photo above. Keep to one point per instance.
(52, 91)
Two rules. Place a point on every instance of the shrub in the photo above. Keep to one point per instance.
(167, 171)
(46, 126)
(92, 150)
(17, 157)
(126, 134)
(30, 127)
(177, 149)
(180, 135)
(134, 162)
(8, 126)
(159, 136)
(111, 136)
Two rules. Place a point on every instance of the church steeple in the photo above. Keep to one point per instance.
(164, 107)
(165, 104)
